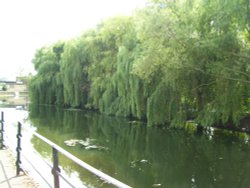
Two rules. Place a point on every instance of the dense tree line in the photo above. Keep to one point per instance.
(170, 62)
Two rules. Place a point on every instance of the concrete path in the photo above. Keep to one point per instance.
(8, 178)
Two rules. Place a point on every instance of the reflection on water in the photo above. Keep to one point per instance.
(141, 156)
(146, 156)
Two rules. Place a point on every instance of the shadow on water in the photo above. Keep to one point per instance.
(142, 156)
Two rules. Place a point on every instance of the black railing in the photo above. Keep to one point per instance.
(2, 131)
(18, 149)
(55, 168)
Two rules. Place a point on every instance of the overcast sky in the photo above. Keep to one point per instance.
(30, 24)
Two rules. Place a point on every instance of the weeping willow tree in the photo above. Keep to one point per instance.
(45, 87)
(159, 64)
(170, 62)
(74, 74)
(114, 89)
(224, 36)
(200, 50)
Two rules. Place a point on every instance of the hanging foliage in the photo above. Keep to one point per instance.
(170, 62)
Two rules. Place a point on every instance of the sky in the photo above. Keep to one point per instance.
(27, 25)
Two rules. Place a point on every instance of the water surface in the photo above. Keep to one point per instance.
(142, 156)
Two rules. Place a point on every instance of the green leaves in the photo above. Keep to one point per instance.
(170, 62)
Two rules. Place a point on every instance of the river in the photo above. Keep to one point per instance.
(138, 155)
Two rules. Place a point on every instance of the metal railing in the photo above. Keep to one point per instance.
(2, 131)
(55, 167)
(18, 149)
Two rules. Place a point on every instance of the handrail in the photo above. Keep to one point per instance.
(91, 169)
(2, 131)
(56, 149)
(18, 149)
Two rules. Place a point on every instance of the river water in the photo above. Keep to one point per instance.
(138, 155)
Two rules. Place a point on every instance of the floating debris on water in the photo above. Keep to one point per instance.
(74, 142)
(144, 161)
(71, 142)
(95, 147)
(156, 185)
(88, 144)
(91, 147)
(137, 163)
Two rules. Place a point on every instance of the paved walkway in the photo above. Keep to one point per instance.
(8, 178)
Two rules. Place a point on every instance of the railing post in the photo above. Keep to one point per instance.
(18, 149)
(2, 131)
(55, 169)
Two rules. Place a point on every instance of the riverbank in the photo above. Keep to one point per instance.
(8, 177)
(243, 127)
